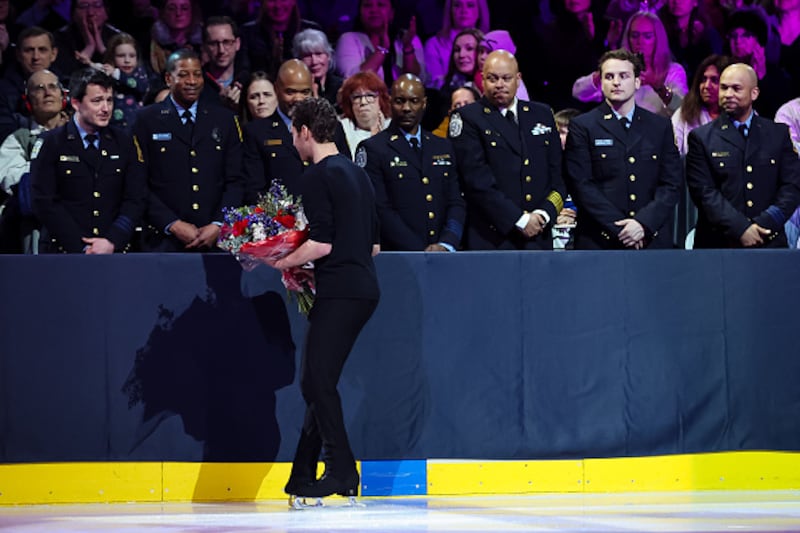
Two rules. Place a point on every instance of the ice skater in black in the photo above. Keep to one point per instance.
(340, 205)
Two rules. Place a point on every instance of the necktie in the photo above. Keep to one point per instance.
(92, 154)
(743, 130)
(510, 117)
(91, 139)
(414, 144)
(625, 123)
(187, 115)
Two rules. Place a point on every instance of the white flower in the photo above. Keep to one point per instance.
(259, 234)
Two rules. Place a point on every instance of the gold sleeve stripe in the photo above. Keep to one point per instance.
(238, 127)
(139, 155)
(555, 199)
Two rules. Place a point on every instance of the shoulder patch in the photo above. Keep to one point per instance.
(36, 147)
(456, 125)
(361, 157)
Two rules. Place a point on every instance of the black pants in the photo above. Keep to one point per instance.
(334, 325)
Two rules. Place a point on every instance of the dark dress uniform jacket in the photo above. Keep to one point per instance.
(506, 169)
(417, 193)
(193, 171)
(81, 194)
(614, 173)
(736, 182)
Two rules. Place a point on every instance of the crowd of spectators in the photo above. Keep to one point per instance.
(354, 51)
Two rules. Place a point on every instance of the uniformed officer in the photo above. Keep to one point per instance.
(742, 171)
(87, 179)
(622, 167)
(509, 157)
(415, 177)
(193, 153)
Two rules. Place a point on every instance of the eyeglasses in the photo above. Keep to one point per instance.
(83, 6)
(42, 87)
(366, 98)
(225, 43)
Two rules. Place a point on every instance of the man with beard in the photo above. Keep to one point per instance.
(622, 167)
(415, 177)
(508, 154)
(88, 182)
(223, 75)
(193, 154)
(742, 171)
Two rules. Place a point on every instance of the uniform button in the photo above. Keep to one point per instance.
(306, 163)
(96, 213)
(432, 233)
(195, 170)
(721, 164)
(273, 154)
(602, 156)
(103, 153)
(429, 197)
(493, 143)
(95, 231)
(632, 197)
(749, 203)
(195, 206)
(655, 156)
(631, 159)
(446, 174)
(96, 194)
(400, 176)
(527, 179)
(526, 162)
(749, 168)
(632, 177)
(195, 187)
(192, 153)
(749, 185)
(163, 149)
(771, 161)
(219, 147)
(119, 170)
(425, 181)
(431, 215)
(528, 197)
(632, 213)
(68, 172)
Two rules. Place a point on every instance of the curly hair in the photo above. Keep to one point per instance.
(319, 116)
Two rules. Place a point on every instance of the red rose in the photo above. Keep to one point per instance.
(240, 227)
(287, 221)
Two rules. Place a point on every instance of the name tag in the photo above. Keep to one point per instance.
(162, 136)
(442, 159)
(720, 154)
(68, 158)
(273, 142)
(541, 129)
(604, 142)
(113, 156)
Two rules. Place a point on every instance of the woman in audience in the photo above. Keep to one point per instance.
(85, 36)
(312, 48)
(788, 15)
(458, 15)
(178, 26)
(461, 73)
(376, 46)
(701, 104)
(364, 100)
(260, 100)
(459, 98)
(663, 82)
(691, 36)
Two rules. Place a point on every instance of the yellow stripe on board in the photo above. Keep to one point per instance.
(180, 482)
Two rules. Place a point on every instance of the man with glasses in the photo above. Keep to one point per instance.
(223, 73)
(86, 36)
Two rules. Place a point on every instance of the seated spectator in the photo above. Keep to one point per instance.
(48, 103)
(747, 41)
(35, 51)
(691, 37)
(85, 38)
(701, 104)
(223, 71)
(260, 100)
(267, 41)
(497, 40)
(178, 26)
(663, 82)
(377, 46)
(458, 15)
(312, 48)
(458, 99)
(789, 114)
(366, 111)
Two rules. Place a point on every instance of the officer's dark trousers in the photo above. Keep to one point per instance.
(334, 325)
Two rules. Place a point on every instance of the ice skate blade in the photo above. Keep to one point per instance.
(301, 503)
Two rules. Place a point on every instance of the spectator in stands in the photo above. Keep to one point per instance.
(88, 183)
(223, 71)
(376, 46)
(747, 39)
(19, 229)
(179, 25)
(458, 99)
(788, 25)
(701, 104)
(193, 154)
(691, 37)
(663, 82)
(9, 31)
(260, 100)
(312, 48)
(458, 15)
(85, 37)
(366, 111)
(36, 51)
(789, 114)
(569, 212)
(267, 41)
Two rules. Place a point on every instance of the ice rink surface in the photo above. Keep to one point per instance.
(684, 511)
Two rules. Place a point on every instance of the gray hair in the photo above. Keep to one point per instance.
(312, 41)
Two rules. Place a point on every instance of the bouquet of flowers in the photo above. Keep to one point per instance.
(268, 231)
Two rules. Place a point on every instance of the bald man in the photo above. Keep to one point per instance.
(742, 171)
(509, 156)
(268, 150)
(415, 177)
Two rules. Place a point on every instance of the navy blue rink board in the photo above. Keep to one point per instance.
(469, 355)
